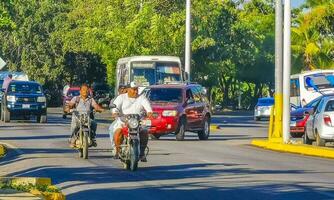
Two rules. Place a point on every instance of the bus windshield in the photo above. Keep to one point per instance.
(151, 72)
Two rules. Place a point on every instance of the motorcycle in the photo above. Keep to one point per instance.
(103, 98)
(130, 147)
(83, 136)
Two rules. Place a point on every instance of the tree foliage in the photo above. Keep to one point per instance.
(58, 41)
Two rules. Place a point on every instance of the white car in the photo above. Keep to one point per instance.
(263, 108)
(320, 126)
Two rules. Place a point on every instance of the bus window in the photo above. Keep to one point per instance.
(319, 80)
(168, 72)
(294, 89)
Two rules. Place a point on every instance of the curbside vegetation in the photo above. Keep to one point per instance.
(40, 187)
(3, 150)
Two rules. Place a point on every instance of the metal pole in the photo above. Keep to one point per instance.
(286, 71)
(277, 130)
(188, 39)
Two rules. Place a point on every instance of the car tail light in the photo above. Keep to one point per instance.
(302, 122)
(327, 120)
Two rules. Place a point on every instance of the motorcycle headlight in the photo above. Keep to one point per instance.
(133, 123)
(11, 98)
(41, 99)
(169, 113)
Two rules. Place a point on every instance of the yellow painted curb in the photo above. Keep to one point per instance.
(32, 181)
(36, 181)
(295, 148)
(2, 150)
(214, 127)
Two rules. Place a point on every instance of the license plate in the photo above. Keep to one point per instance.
(292, 123)
(25, 106)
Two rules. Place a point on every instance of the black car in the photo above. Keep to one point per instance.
(24, 98)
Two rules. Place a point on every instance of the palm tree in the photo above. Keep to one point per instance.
(312, 36)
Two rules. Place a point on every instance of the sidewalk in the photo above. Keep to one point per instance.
(7, 194)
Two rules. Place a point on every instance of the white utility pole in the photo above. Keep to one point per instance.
(277, 128)
(286, 70)
(187, 59)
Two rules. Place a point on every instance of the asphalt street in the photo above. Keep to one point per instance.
(224, 167)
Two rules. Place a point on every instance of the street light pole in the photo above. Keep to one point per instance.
(277, 133)
(286, 71)
(188, 39)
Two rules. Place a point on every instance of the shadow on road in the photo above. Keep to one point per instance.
(200, 191)
(170, 175)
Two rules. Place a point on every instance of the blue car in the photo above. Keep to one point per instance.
(24, 98)
(263, 108)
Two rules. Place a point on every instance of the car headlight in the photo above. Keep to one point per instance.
(41, 99)
(169, 113)
(133, 123)
(11, 98)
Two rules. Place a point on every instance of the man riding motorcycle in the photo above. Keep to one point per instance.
(83, 103)
(130, 103)
(122, 89)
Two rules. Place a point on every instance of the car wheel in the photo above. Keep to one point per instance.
(41, 119)
(64, 116)
(6, 115)
(306, 140)
(155, 136)
(205, 133)
(181, 130)
(319, 141)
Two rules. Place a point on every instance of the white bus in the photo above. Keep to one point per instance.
(149, 70)
(309, 85)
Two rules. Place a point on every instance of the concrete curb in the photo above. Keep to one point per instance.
(295, 148)
(36, 181)
(3, 150)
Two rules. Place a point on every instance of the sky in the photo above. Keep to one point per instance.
(296, 3)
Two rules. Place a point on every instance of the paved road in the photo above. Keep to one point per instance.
(224, 167)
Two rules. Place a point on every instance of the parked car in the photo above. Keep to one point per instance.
(298, 118)
(179, 108)
(319, 126)
(263, 108)
(72, 92)
(24, 98)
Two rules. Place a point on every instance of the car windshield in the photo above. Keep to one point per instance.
(24, 88)
(73, 93)
(165, 95)
(266, 101)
